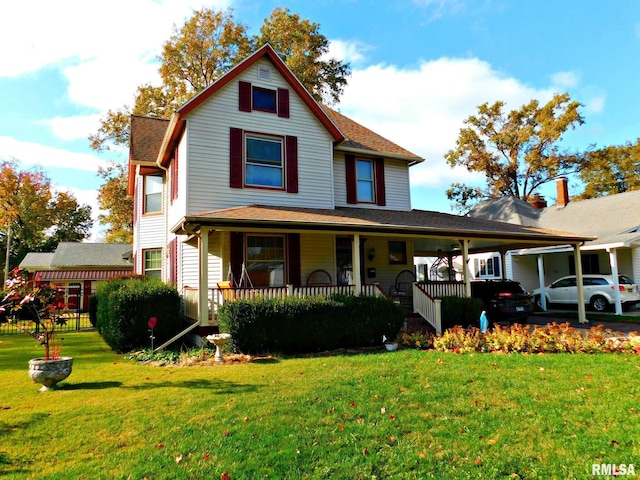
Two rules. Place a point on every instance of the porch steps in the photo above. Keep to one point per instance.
(415, 323)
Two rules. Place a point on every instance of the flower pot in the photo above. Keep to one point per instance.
(391, 346)
(49, 372)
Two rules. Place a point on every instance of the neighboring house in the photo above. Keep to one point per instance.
(613, 219)
(254, 183)
(79, 267)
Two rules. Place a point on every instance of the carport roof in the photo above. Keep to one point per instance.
(433, 230)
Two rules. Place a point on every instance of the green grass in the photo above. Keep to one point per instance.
(402, 415)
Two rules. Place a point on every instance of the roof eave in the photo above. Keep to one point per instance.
(365, 151)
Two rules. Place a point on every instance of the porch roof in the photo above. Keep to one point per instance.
(432, 231)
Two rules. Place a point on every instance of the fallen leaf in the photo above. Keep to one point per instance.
(391, 438)
(542, 369)
(491, 441)
(376, 396)
(179, 459)
(352, 404)
(341, 426)
(365, 451)
(392, 417)
(160, 445)
(246, 419)
(383, 410)
(478, 461)
(206, 456)
(421, 455)
(614, 443)
(588, 377)
(225, 433)
(475, 403)
(440, 361)
(225, 476)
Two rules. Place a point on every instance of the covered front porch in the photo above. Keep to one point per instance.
(265, 251)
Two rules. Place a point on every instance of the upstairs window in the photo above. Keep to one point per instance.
(264, 166)
(364, 172)
(264, 99)
(152, 194)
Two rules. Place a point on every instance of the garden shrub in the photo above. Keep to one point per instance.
(125, 305)
(298, 325)
(462, 311)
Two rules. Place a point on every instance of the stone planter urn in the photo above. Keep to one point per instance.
(49, 372)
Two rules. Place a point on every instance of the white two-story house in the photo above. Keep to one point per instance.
(254, 185)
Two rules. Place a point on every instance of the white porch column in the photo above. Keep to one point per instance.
(203, 277)
(543, 296)
(357, 279)
(503, 264)
(582, 314)
(465, 267)
(613, 262)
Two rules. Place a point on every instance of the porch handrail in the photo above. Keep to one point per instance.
(438, 289)
(427, 307)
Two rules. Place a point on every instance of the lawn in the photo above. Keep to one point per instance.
(405, 414)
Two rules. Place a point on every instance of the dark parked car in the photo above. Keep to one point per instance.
(504, 300)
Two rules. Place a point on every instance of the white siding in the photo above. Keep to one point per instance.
(178, 208)
(635, 255)
(396, 180)
(208, 149)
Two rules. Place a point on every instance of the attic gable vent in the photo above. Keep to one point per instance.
(264, 73)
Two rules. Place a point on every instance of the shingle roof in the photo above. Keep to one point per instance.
(418, 222)
(360, 137)
(613, 218)
(35, 260)
(507, 209)
(83, 255)
(146, 138)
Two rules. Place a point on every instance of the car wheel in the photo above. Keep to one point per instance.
(599, 303)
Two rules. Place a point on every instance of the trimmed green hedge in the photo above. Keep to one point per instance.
(301, 325)
(462, 311)
(125, 305)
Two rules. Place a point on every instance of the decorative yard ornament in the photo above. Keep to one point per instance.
(484, 323)
(153, 321)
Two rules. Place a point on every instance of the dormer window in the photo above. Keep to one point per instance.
(365, 180)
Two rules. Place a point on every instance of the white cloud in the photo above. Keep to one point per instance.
(565, 79)
(423, 109)
(74, 128)
(35, 154)
(351, 51)
(439, 8)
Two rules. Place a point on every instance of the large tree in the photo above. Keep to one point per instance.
(204, 48)
(517, 151)
(33, 216)
(611, 170)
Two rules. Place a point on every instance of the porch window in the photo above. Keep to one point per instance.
(152, 194)
(153, 263)
(397, 253)
(364, 171)
(264, 166)
(266, 260)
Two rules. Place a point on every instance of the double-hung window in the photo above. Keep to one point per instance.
(365, 179)
(152, 194)
(264, 161)
(153, 263)
(266, 260)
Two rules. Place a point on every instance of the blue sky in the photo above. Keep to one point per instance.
(420, 67)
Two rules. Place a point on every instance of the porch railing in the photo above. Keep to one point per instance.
(217, 296)
(443, 289)
(427, 307)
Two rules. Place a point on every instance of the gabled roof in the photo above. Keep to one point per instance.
(152, 138)
(360, 138)
(613, 219)
(72, 255)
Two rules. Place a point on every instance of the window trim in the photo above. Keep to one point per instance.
(144, 262)
(283, 160)
(146, 195)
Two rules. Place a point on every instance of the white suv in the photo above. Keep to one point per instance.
(598, 291)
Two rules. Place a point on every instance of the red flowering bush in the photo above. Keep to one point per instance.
(35, 308)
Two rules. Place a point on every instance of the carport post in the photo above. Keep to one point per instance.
(543, 296)
(465, 267)
(582, 314)
(613, 261)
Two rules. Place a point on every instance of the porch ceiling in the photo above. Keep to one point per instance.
(432, 232)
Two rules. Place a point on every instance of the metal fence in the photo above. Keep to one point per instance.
(75, 321)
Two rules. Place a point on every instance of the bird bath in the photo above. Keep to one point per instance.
(219, 340)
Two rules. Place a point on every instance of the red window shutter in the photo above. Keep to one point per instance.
(291, 157)
(380, 187)
(352, 192)
(293, 260)
(236, 147)
(283, 103)
(236, 256)
(244, 96)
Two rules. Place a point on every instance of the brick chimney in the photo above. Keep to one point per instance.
(537, 201)
(562, 191)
